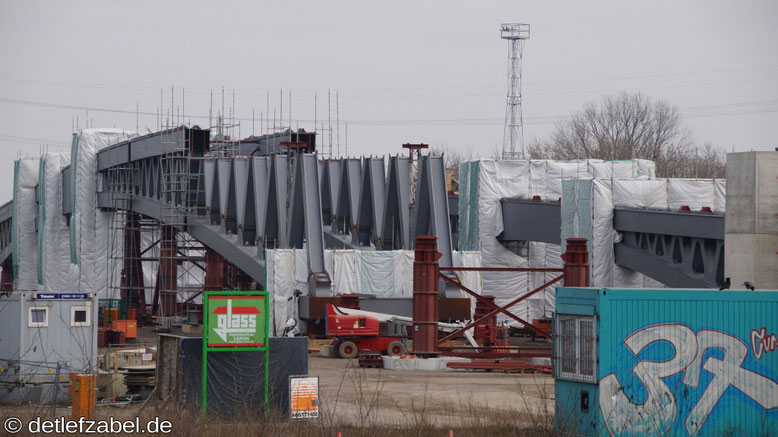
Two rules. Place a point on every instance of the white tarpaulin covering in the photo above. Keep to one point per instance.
(280, 284)
(89, 227)
(58, 257)
(366, 272)
(53, 238)
(694, 193)
(483, 183)
(25, 213)
(607, 194)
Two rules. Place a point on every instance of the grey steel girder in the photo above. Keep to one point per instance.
(330, 188)
(274, 234)
(430, 209)
(244, 200)
(679, 249)
(341, 241)
(227, 203)
(348, 198)
(526, 220)
(245, 258)
(687, 224)
(395, 226)
(367, 226)
(304, 226)
(211, 189)
(260, 178)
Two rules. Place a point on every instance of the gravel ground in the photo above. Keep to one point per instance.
(362, 396)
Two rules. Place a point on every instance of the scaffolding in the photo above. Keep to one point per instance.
(181, 270)
(125, 258)
(173, 261)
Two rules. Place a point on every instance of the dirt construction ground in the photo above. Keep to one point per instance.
(376, 396)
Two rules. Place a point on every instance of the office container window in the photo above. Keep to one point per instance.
(79, 316)
(574, 343)
(38, 318)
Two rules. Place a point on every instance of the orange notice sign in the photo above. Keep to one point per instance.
(304, 397)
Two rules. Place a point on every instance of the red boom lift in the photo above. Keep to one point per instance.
(354, 333)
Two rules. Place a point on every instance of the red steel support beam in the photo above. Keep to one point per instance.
(504, 309)
(576, 258)
(236, 279)
(425, 296)
(480, 299)
(132, 286)
(214, 279)
(501, 269)
(168, 271)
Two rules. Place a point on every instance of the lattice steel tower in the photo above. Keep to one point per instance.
(513, 136)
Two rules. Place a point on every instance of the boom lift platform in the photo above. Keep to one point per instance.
(356, 331)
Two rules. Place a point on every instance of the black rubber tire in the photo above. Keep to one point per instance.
(395, 348)
(347, 349)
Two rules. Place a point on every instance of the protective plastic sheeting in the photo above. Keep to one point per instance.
(486, 182)
(281, 283)
(53, 237)
(694, 193)
(89, 227)
(24, 235)
(628, 193)
(720, 195)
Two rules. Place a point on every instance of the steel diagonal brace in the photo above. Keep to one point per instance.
(502, 309)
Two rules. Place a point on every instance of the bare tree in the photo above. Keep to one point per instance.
(625, 126)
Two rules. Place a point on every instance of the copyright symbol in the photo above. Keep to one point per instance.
(12, 425)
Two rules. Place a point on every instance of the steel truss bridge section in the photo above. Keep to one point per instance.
(679, 249)
(243, 205)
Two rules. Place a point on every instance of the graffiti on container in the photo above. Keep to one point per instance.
(762, 343)
(659, 412)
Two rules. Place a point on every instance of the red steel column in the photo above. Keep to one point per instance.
(576, 260)
(425, 296)
(168, 270)
(488, 326)
(214, 280)
(132, 286)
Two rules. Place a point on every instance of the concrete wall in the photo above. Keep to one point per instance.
(751, 243)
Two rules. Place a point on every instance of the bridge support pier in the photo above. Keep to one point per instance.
(214, 279)
(576, 258)
(132, 286)
(425, 296)
(167, 275)
(237, 279)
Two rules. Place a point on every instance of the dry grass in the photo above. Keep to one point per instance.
(186, 424)
(358, 407)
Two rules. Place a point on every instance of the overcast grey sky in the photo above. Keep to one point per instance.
(406, 71)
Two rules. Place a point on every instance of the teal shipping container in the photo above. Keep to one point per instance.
(666, 362)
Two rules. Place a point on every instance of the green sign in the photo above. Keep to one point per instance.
(235, 321)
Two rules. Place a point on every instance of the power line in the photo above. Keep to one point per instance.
(206, 90)
(741, 108)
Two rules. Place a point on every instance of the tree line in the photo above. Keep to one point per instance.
(622, 126)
